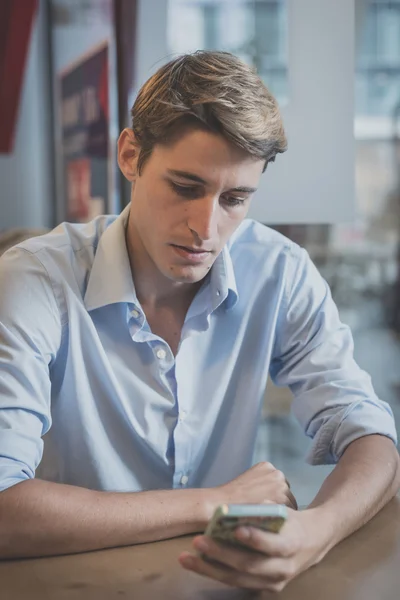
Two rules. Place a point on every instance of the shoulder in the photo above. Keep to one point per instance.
(257, 245)
(68, 239)
(266, 260)
(65, 254)
(45, 269)
(29, 311)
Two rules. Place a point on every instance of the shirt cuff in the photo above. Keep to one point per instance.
(19, 456)
(351, 423)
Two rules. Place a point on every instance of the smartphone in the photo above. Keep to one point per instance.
(228, 517)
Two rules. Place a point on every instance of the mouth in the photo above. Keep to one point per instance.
(193, 255)
(192, 249)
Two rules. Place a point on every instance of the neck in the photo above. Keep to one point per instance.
(151, 286)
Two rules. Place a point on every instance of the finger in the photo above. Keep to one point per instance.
(244, 561)
(263, 465)
(227, 575)
(279, 569)
(274, 545)
(239, 559)
(292, 500)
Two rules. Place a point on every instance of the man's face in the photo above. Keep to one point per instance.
(188, 200)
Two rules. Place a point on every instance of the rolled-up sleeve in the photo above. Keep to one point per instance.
(30, 334)
(334, 400)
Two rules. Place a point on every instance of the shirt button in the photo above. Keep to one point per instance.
(135, 314)
(161, 354)
(182, 415)
(184, 479)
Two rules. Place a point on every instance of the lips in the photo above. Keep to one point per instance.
(192, 249)
(190, 254)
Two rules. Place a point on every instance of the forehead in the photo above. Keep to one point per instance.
(209, 156)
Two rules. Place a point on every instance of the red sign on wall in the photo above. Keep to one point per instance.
(16, 21)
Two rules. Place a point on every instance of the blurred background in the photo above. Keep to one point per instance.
(70, 72)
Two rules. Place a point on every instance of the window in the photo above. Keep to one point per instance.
(254, 30)
(378, 65)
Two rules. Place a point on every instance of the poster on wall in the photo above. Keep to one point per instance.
(84, 109)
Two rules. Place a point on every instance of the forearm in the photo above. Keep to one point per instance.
(39, 518)
(366, 477)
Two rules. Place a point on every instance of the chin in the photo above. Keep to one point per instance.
(187, 274)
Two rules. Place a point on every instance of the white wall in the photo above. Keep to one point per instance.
(314, 181)
(26, 174)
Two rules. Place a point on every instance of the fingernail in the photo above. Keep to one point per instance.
(243, 533)
(201, 545)
(188, 561)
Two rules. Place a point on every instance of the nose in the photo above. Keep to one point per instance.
(203, 218)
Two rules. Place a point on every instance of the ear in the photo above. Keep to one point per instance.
(128, 152)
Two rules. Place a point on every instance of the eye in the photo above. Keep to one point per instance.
(232, 201)
(186, 191)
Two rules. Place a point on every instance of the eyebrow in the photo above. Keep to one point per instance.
(197, 179)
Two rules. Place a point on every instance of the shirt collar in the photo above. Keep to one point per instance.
(223, 282)
(110, 280)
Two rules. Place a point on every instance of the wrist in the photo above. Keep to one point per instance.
(203, 503)
(211, 499)
(320, 528)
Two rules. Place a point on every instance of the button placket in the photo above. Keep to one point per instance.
(161, 354)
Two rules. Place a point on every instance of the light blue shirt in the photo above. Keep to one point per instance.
(80, 365)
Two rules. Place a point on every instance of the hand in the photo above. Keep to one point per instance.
(262, 484)
(280, 557)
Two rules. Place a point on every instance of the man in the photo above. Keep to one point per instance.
(141, 346)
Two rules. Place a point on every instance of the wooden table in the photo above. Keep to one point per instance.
(366, 566)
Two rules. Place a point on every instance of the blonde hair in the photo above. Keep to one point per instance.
(212, 90)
